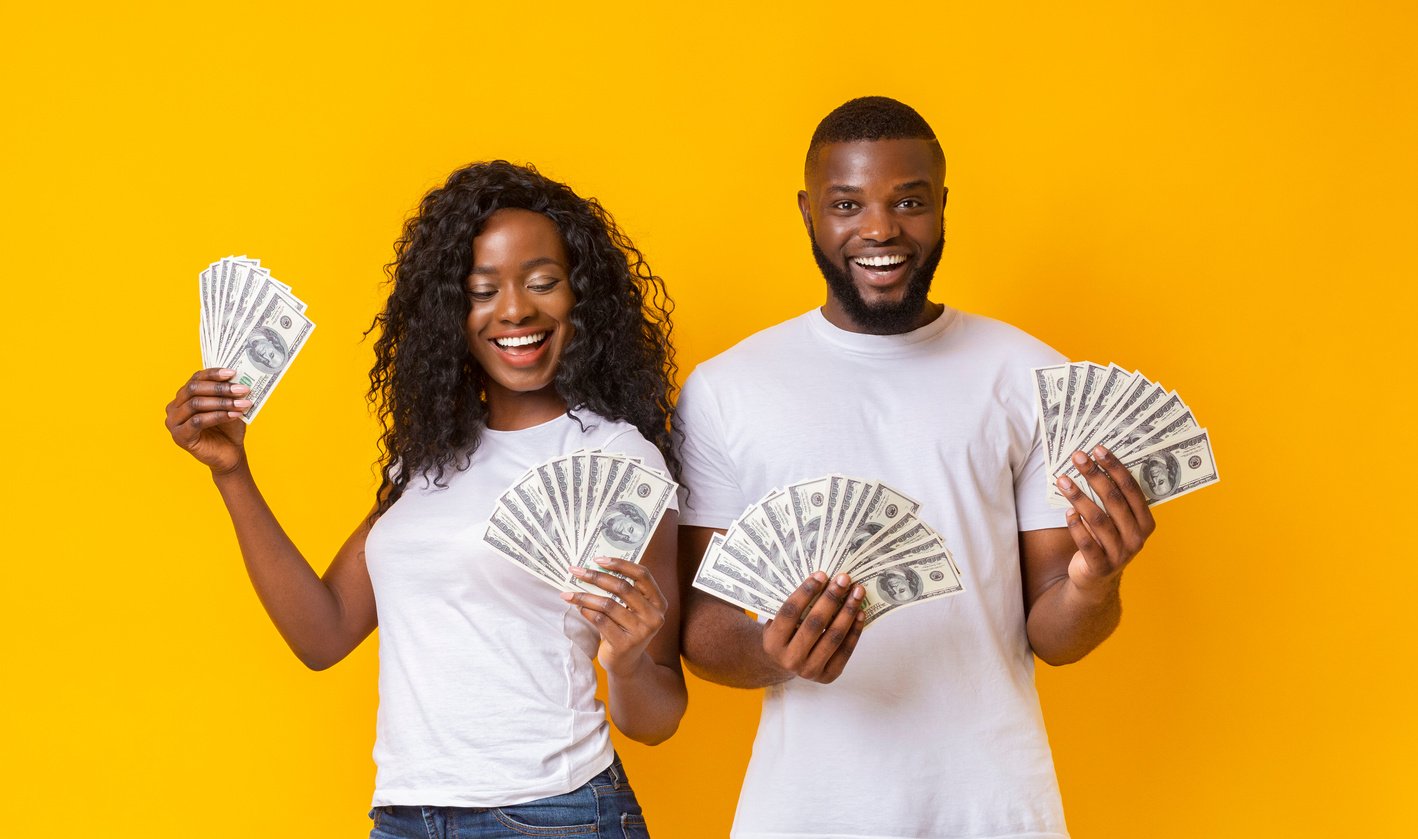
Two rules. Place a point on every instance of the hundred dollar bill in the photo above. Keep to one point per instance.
(905, 553)
(630, 516)
(266, 350)
(1146, 407)
(1048, 390)
(855, 502)
(882, 510)
(809, 502)
(1130, 392)
(1145, 436)
(577, 463)
(849, 505)
(560, 468)
(707, 580)
(528, 504)
(778, 510)
(928, 576)
(907, 532)
(1175, 468)
(1105, 390)
(754, 524)
(751, 567)
(508, 539)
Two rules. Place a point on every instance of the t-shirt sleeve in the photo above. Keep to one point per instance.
(631, 442)
(709, 493)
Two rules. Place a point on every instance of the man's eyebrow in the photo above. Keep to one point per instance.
(850, 190)
(910, 185)
(489, 271)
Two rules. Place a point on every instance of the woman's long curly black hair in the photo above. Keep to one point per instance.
(425, 385)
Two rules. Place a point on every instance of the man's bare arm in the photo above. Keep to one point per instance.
(1072, 575)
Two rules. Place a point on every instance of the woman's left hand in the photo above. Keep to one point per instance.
(625, 630)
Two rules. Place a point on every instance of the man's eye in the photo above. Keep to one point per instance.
(911, 204)
(845, 205)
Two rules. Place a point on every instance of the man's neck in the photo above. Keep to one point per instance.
(838, 317)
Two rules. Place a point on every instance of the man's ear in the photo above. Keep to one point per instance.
(806, 209)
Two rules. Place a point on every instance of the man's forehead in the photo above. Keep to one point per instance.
(876, 165)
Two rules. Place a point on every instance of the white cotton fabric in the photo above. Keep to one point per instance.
(934, 728)
(486, 676)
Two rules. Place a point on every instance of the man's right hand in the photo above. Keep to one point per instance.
(814, 638)
(205, 419)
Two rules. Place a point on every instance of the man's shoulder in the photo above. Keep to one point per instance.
(774, 342)
(1009, 343)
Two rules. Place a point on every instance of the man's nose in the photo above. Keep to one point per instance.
(878, 225)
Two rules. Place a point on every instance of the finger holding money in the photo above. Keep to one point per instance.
(626, 627)
(204, 418)
(814, 640)
(1107, 537)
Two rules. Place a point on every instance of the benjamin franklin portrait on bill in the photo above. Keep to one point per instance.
(626, 526)
(900, 586)
(266, 350)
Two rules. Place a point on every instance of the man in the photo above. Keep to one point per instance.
(929, 724)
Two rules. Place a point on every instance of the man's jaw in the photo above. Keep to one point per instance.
(881, 316)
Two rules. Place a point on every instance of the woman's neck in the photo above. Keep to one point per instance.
(513, 411)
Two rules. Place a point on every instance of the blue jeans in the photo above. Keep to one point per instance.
(605, 807)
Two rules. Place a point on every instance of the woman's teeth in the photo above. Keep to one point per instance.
(519, 341)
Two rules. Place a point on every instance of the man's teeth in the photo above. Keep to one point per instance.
(879, 261)
(520, 341)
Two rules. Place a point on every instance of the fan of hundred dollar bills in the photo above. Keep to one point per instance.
(575, 508)
(1150, 429)
(251, 323)
(833, 524)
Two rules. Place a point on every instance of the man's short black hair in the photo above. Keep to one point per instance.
(871, 118)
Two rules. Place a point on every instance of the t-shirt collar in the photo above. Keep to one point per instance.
(879, 345)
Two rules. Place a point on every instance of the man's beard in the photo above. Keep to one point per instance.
(882, 318)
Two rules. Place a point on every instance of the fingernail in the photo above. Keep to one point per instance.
(604, 561)
(567, 596)
(242, 403)
(226, 371)
(578, 571)
(233, 414)
(1065, 484)
(240, 389)
(1080, 458)
(819, 577)
(843, 580)
(1100, 452)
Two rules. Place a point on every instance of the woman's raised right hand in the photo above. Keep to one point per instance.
(205, 418)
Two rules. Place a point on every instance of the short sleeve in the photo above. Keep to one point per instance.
(631, 442)
(709, 494)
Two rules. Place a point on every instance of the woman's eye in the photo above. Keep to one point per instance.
(480, 294)
(543, 286)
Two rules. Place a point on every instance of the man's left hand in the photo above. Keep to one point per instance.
(1107, 537)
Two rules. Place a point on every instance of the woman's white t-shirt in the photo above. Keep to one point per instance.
(486, 676)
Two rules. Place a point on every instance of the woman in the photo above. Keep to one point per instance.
(521, 325)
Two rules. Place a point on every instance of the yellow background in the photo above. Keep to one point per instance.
(1219, 194)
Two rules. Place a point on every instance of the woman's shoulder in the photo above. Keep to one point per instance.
(617, 437)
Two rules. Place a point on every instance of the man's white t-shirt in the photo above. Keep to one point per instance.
(487, 680)
(934, 727)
